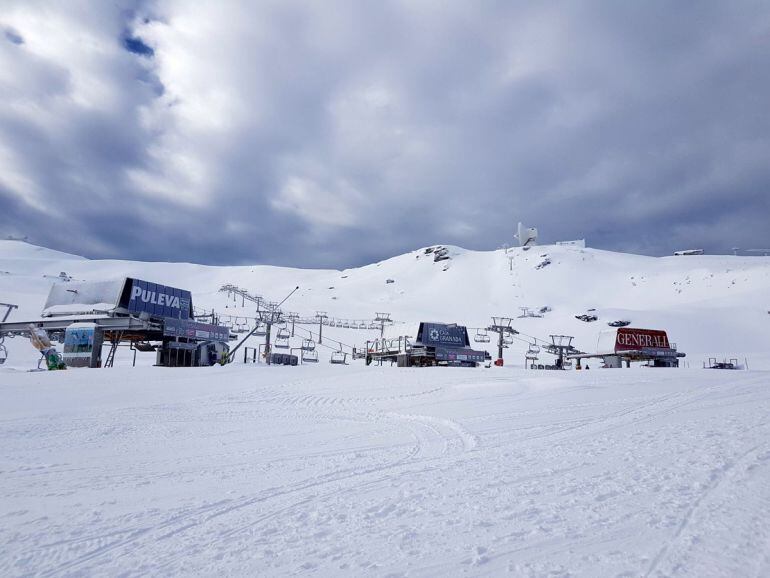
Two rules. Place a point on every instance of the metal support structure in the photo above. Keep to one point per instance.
(114, 342)
(561, 344)
(9, 307)
(236, 292)
(383, 319)
(502, 326)
(293, 318)
(321, 316)
(269, 315)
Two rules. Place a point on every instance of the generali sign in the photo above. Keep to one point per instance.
(631, 338)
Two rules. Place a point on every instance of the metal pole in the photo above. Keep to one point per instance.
(10, 307)
(267, 342)
(285, 298)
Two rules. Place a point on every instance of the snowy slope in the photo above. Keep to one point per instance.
(710, 305)
(325, 470)
(351, 471)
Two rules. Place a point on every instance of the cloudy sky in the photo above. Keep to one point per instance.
(332, 134)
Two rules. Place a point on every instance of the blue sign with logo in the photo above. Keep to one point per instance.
(159, 300)
(440, 335)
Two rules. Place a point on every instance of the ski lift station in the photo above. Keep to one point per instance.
(629, 344)
(436, 344)
(129, 311)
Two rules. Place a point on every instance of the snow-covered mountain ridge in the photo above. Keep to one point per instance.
(710, 304)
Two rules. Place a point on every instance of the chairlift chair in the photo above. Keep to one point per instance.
(283, 333)
(309, 356)
(346, 325)
(338, 358)
(481, 336)
(534, 349)
(362, 325)
(281, 343)
(508, 339)
(308, 345)
(3, 352)
(261, 330)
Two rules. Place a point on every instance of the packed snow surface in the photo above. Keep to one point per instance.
(383, 471)
(328, 470)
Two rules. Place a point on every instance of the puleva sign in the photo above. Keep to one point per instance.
(154, 297)
(631, 338)
(158, 300)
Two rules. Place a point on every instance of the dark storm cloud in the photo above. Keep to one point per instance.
(340, 134)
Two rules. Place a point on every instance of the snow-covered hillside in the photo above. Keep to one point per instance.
(328, 470)
(710, 305)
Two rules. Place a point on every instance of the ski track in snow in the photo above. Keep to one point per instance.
(386, 472)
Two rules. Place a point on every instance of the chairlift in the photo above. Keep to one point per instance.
(346, 325)
(362, 325)
(308, 345)
(261, 330)
(281, 343)
(508, 339)
(3, 352)
(283, 333)
(481, 336)
(534, 349)
(309, 356)
(338, 358)
(372, 326)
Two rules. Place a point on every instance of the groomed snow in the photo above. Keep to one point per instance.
(351, 470)
(252, 470)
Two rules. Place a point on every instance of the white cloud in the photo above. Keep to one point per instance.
(414, 120)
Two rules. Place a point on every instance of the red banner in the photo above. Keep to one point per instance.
(631, 338)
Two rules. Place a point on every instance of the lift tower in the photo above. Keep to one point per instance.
(321, 316)
(505, 333)
(561, 344)
(383, 319)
